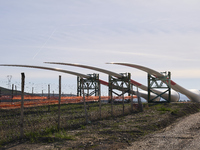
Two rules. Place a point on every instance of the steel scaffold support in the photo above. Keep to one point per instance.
(159, 83)
(90, 84)
(122, 84)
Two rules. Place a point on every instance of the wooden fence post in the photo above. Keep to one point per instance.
(48, 91)
(123, 98)
(86, 115)
(99, 99)
(49, 96)
(15, 90)
(59, 99)
(110, 94)
(139, 101)
(131, 98)
(22, 106)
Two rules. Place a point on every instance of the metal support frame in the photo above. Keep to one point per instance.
(91, 85)
(158, 83)
(123, 84)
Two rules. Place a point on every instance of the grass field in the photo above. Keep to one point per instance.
(109, 132)
(42, 120)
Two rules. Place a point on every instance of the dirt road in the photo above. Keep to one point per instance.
(183, 135)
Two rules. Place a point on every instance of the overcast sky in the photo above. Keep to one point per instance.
(162, 35)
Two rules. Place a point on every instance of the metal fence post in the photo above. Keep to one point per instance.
(110, 94)
(131, 98)
(139, 101)
(123, 97)
(48, 91)
(22, 106)
(15, 90)
(49, 96)
(59, 99)
(86, 115)
(99, 99)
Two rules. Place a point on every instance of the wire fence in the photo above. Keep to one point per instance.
(42, 115)
(29, 116)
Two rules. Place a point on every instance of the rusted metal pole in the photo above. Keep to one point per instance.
(59, 99)
(22, 106)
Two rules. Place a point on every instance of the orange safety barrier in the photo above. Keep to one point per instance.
(39, 101)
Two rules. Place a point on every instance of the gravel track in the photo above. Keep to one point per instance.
(184, 134)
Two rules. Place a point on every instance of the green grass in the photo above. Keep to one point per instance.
(39, 121)
(175, 111)
(83, 127)
(41, 125)
(164, 109)
(63, 135)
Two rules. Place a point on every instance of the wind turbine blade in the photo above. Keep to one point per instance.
(48, 68)
(88, 67)
(145, 95)
(135, 83)
(193, 95)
